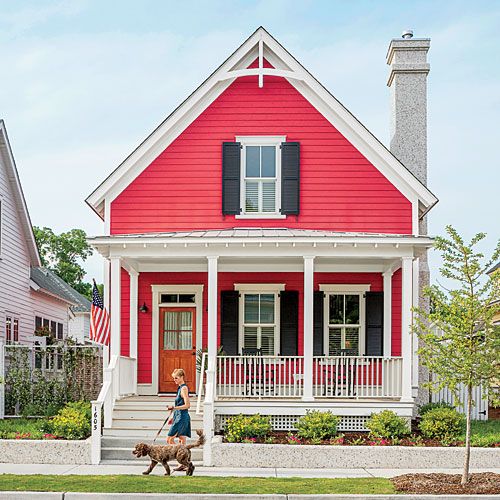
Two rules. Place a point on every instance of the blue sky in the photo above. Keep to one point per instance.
(84, 81)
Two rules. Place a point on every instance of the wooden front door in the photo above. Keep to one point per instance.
(177, 346)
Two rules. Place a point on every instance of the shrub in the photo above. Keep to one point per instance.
(387, 425)
(444, 424)
(317, 425)
(423, 409)
(82, 406)
(241, 427)
(72, 422)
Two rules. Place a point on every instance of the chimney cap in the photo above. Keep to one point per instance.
(407, 34)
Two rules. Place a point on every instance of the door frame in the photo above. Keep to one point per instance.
(157, 290)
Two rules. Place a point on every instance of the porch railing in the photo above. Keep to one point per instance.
(283, 377)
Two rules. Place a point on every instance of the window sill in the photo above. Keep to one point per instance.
(260, 216)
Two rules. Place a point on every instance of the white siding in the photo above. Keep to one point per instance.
(79, 327)
(16, 297)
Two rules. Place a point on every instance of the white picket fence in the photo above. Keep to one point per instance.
(479, 408)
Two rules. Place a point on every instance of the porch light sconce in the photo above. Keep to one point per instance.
(143, 308)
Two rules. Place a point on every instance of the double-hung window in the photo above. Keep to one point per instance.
(261, 176)
(344, 323)
(259, 323)
(11, 330)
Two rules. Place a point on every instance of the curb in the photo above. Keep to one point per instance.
(31, 495)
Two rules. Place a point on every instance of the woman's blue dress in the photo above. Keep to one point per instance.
(181, 425)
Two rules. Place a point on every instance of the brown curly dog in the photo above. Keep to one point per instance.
(162, 454)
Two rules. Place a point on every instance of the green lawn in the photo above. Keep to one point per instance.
(484, 433)
(183, 484)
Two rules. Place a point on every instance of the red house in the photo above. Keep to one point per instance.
(263, 222)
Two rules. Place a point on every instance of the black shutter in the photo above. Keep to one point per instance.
(374, 323)
(231, 156)
(229, 322)
(290, 177)
(289, 323)
(318, 328)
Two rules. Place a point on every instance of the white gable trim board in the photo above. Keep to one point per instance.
(262, 44)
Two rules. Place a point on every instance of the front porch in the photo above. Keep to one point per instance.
(304, 319)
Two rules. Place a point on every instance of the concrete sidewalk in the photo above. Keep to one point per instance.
(108, 469)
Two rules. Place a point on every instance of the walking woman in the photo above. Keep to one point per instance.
(181, 421)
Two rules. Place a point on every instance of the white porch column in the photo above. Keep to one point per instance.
(387, 313)
(406, 317)
(308, 327)
(134, 287)
(208, 404)
(115, 301)
(106, 286)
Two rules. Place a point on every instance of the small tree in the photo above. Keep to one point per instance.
(459, 343)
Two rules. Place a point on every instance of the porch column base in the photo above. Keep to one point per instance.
(308, 399)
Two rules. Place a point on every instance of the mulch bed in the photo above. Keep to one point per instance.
(485, 483)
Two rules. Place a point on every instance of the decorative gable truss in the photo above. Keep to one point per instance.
(261, 46)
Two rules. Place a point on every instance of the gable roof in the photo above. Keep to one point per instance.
(49, 282)
(17, 192)
(261, 45)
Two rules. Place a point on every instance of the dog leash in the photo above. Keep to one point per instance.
(162, 426)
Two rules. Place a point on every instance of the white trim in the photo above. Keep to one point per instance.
(345, 288)
(304, 82)
(133, 310)
(259, 287)
(387, 277)
(274, 141)
(414, 338)
(308, 327)
(156, 291)
(241, 315)
(406, 320)
(115, 306)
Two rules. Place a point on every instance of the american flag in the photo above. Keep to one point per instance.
(99, 319)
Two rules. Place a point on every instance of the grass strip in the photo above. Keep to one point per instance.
(200, 484)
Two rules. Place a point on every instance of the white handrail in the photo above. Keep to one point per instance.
(200, 383)
(105, 399)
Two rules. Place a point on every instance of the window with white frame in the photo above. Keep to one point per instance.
(259, 320)
(261, 175)
(344, 319)
(11, 329)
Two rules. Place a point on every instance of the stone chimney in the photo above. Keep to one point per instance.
(407, 59)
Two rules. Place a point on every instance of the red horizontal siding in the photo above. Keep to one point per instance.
(226, 281)
(125, 313)
(340, 189)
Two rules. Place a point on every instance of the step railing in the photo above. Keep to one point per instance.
(105, 400)
(201, 382)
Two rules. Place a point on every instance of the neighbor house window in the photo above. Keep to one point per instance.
(260, 175)
(11, 329)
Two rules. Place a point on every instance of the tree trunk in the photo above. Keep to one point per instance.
(465, 475)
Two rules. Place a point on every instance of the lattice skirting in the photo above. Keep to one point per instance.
(287, 422)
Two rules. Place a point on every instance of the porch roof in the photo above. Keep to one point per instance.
(257, 232)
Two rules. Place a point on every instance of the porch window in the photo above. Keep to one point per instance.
(344, 323)
(260, 329)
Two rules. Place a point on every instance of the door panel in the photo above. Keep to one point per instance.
(177, 334)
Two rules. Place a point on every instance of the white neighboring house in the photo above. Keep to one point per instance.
(28, 295)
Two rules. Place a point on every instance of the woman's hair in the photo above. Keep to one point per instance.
(178, 372)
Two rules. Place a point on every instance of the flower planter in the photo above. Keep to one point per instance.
(347, 457)
(46, 451)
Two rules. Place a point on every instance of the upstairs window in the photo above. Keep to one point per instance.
(260, 180)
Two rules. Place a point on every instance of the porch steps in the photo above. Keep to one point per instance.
(137, 419)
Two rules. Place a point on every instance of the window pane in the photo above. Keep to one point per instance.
(60, 331)
(251, 308)
(253, 161)
(268, 161)
(8, 329)
(170, 340)
(336, 309)
(267, 340)
(169, 320)
(267, 308)
(269, 196)
(185, 340)
(187, 297)
(250, 337)
(352, 309)
(252, 197)
(352, 340)
(169, 298)
(334, 341)
(16, 330)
